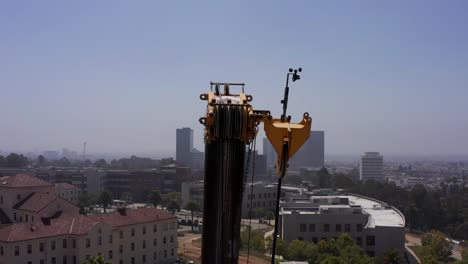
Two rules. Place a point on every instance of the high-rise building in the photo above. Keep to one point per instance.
(312, 153)
(371, 166)
(184, 146)
(269, 153)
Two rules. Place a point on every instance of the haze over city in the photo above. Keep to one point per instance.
(389, 77)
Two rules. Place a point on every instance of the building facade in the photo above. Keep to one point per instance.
(40, 227)
(371, 167)
(312, 153)
(184, 146)
(374, 225)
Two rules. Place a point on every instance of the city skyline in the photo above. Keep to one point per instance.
(387, 77)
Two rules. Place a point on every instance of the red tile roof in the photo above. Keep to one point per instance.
(132, 217)
(65, 185)
(36, 201)
(22, 180)
(64, 225)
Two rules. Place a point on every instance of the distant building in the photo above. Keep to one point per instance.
(184, 146)
(312, 153)
(371, 167)
(51, 154)
(374, 225)
(269, 153)
(68, 192)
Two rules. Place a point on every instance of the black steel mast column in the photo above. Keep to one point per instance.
(224, 170)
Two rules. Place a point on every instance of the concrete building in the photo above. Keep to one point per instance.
(371, 167)
(374, 225)
(269, 153)
(184, 146)
(68, 192)
(40, 227)
(312, 153)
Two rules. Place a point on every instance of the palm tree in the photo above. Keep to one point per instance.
(192, 207)
(96, 260)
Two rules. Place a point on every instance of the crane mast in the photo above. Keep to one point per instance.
(231, 123)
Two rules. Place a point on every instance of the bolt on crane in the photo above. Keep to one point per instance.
(231, 123)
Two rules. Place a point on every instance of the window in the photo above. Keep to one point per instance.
(99, 240)
(120, 261)
(1, 199)
(359, 241)
(133, 246)
(172, 252)
(172, 239)
(41, 247)
(326, 228)
(315, 240)
(27, 218)
(133, 260)
(370, 240)
(64, 243)
(347, 228)
(17, 252)
(121, 234)
(155, 255)
(311, 227)
(165, 253)
(338, 228)
(143, 230)
(88, 243)
(1, 250)
(32, 218)
(74, 243)
(43, 261)
(120, 248)
(155, 242)
(110, 239)
(155, 228)
(109, 254)
(133, 232)
(164, 240)
(29, 262)
(359, 227)
(54, 260)
(64, 260)
(143, 258)
(18, 196)
(29, 248)
(144, 244)
(52, 245)
(302, 228)
(14, 216)
(74, 259)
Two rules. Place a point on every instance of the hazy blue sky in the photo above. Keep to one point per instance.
(387, 76)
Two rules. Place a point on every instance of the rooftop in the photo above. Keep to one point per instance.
(21, 181)
(132, 217)
(64, 225)
(65, 185)
(380, 214)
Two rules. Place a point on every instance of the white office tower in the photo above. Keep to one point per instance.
(371, 166)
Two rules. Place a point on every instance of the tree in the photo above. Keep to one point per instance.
(173, 206)
(155, 197)
(101, 163)
(83, 202)
(269, 216)
(41, 160)
(2, 161)
(437, 245)
(16, 161)
(105, 199)
(96, 260)
(392, 256)
(323, 178)
(192, 207)
(169, 197)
